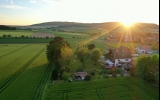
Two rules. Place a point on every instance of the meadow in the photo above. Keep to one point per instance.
(21, 71)
(119, 88)
(15, 33)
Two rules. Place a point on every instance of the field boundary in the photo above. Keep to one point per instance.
(41, 84)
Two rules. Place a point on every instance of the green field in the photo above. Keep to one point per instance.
(119, 88)
(15, 33)
(24, 40)
(22, 68)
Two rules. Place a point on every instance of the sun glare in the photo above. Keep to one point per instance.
(127, 23)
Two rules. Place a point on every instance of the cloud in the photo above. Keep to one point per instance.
(13, 7)
(50, 1)
(11, 1)
(33, 1)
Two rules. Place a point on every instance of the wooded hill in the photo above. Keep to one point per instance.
(114, 26)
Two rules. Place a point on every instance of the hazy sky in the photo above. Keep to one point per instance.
(26, 12)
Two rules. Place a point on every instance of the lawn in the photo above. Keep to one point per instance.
(119, 88)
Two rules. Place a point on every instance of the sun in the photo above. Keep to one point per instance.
(127, 23)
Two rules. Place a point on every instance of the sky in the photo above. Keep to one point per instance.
(27, 12)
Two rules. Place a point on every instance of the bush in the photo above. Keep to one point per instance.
(87, 78)
(65, 76)
(109, 71)
(100, 73)
(121, 73)
(79, 70)
(132, 71)
(92, 73)
(114, 74)
(118, 70)
(103, 72)
(105, 76)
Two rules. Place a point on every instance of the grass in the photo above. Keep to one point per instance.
(24, 40)
(16, 33)
(119, 88)
(22, 88)
(14, 61)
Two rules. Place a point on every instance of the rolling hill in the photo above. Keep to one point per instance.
(113, 26)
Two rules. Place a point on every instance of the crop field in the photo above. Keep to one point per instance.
(42, 35)
(15, 33)
(22, 70)
(119, 88)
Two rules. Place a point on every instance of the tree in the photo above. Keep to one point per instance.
(4, 36)
(9, 36)
(55, 54)
(145, 67)
(22, 36)
(91, 46)
(54, 48)
(95, 55)
(82, 55)
(54, 74)
(67, 56)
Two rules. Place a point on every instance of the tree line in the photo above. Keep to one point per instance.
(22, 36)
(3, 27)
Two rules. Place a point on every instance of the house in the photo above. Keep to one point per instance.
(143, 49)
(110, 63)
(80, 75)
(121, 54)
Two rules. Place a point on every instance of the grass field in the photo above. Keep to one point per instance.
(15, 33)
(21, 70)
(119, 88)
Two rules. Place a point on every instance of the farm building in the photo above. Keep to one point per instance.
(80, 75)
(144, 49)
(121, 54)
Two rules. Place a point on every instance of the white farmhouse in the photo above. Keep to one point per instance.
(144, 49)
(121, 54)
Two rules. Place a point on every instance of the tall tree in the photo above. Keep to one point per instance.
(54, 48)
(82, 55)
(145, 67)
(91, 46)
(54, 54)
(67, 56)
(95, 55)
